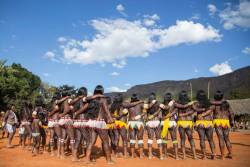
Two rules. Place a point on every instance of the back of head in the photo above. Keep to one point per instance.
(224, 106)
(39, 101)
(167, 98)
(99, 90)
(57, 96)
(151, 97)
(183, 97)
(118, 99)
(109, 100)
(82, 91)
(134, 98)
(202, 99)
(218, 96)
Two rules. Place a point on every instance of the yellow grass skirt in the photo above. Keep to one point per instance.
(164, 131)
(221, 122)
(117, 124)
(185, 124)
(204, 123)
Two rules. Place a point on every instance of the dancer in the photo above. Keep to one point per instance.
(135, 124)
(222, 118)
(96, 112)
(204, 123)
(119, 128)
(36, 133)
(53, 122)
(10, 121)
(26, 119)
(81, 132)
(66, 123)
(185, 122)
(169, 117)
(42, 116)
(153, 125)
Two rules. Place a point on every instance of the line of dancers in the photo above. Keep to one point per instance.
(77, 122)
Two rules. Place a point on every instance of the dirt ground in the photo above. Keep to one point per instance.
(23, 158)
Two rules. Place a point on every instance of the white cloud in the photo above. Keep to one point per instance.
(221, 69)
(120, 8)
(195, 16)
(127, 84)
(114, 73)
(116, 89)
(118, 39)
(196, 70)
(61, 39)
(51, 56)
(212, 9)
(246, 50)
(236, 15)
(150, 20)
(46, 74)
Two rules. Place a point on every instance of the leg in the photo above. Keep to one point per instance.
(71, 135)
(173, 133)
(191, 141)
(157, 131)
(183, 138)
(28, 134)
(43, 137)
(132, 136)
(140, 141)
(220, 136)
(58, 133)
(62, 142)
(201, 132)
(227, 141)
(85, 138)
(123, 133)
(150, 132)
(78, 137)
(51, 141)
(209, 134)
(92, 136)
(11, 130)
(103, 133)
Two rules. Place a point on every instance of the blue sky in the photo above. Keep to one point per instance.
(121, 43)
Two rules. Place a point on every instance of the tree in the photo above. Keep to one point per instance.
(16, 84)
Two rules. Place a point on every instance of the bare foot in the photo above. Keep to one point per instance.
(75, 160)
(90, 162)
(62, 156)
(110, 162)
(10, 146)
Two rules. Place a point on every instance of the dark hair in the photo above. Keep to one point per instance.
(218, 95)
(167, 98)
(151, 97)
(134, 97)
(202, 99)
(39, 101)
(66, 93)
(224, 106)
(183, 97)
(82, 91)
(118, 99)
(99, 90)
(109, 100)
(57, 96)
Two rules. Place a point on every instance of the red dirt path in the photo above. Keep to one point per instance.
(16, 157)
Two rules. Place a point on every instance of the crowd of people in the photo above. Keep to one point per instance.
(75, 124)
